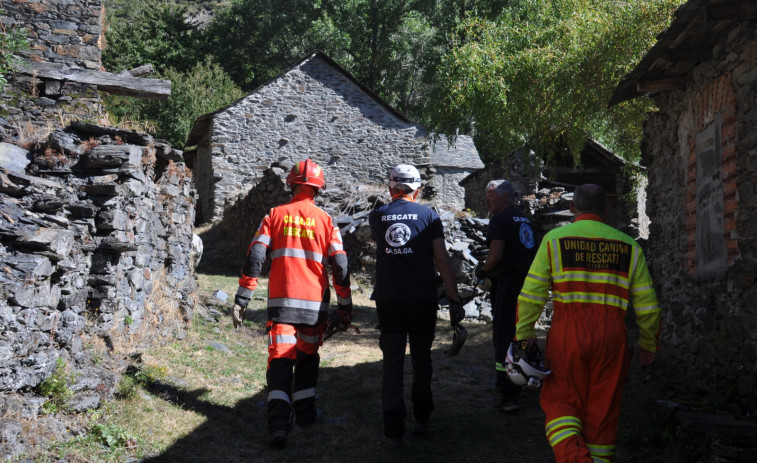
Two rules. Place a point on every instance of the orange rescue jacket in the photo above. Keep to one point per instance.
(300, 238)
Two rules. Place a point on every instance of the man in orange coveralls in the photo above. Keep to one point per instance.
(594, 272)
(300, 238)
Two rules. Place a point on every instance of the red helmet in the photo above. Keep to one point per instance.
(306, 172)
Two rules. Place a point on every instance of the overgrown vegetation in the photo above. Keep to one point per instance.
(57, 388)
(542, 73)
(12, 40)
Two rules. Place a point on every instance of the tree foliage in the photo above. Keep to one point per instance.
(541, 74)
(161, 37)
(157, 35)
(392, 46)
(201, 90)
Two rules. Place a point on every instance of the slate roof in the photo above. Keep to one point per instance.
(462, 154)
(698, 25)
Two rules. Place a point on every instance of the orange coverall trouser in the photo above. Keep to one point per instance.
(588, 353)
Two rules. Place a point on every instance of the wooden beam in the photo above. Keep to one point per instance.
(656, 85)
(117, 84)
(577, 170)
(689, 54)
(140, 71)
(733, 11)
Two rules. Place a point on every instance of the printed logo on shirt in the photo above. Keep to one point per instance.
(595, 254)
(527, 236)
(397, 235)
(289, 230)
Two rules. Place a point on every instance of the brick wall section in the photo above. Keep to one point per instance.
(716, 98)
(709, 316)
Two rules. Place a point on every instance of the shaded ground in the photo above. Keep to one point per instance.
(464, 426)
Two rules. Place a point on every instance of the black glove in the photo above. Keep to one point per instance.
(479, 271)
(456, 312)
(342, 317)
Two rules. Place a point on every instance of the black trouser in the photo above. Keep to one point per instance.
(504, 299)
(291, 376)
(398, 322)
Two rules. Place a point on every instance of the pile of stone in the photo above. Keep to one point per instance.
(465, 237)
(96, 236)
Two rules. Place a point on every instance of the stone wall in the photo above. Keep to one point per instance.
(445, 188)
(326, 116)
(96, 250)
(226, 241)
(524, 176)
(59, 31)
(701, 153)
(68, 32)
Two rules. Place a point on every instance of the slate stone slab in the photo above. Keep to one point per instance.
(13, 157)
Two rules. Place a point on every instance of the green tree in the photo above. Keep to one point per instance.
(157, 35)
(255, 40)
(201, 90)
(541, 74)
(392, 46)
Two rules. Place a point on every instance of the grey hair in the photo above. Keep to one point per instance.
(503, 187)
(590, 198)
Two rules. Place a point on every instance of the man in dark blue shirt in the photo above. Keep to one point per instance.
(409, 239)
(512, 247)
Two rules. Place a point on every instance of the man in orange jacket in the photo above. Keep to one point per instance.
(300, 238)
(595, 273)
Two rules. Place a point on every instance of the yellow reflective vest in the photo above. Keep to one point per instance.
(590, 264)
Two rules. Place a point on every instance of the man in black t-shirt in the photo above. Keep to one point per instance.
(512, 247)
(409, 239)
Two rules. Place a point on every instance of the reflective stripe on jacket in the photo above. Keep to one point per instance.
(591, 264)
(300, 238)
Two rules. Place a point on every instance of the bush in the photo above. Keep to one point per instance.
(56, 388)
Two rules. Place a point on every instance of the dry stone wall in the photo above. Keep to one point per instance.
(67, 32)
(701, 153)
(59, 31)
(95, 249)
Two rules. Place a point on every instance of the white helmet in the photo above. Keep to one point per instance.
(407, 175)
(525, 366)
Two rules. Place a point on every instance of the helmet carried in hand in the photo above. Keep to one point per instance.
(525, 366)
(306, 172)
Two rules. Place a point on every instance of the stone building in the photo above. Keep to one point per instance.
(700, 149)
(319, 110)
